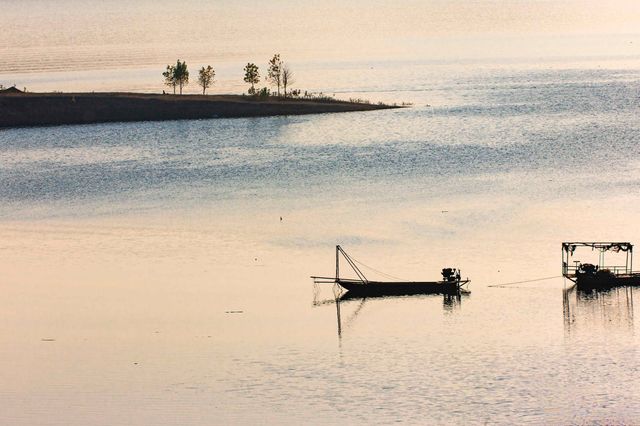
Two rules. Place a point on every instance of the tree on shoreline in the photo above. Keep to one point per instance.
(274, 72)
(176, 75)
(169, 79)
(181, 74)
(287, 78)
(205, 77)
(252, 76)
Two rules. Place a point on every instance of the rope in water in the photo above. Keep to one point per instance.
(526, 281)
(495, 285)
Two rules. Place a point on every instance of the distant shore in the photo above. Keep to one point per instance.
(49, 109)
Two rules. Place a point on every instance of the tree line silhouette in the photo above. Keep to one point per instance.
(279, 75)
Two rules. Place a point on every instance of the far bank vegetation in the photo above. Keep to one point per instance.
(176, 75)
(279, 80)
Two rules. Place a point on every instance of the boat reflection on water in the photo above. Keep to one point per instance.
(450, 303)
(598, 308)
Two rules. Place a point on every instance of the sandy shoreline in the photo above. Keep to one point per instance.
(46, 109)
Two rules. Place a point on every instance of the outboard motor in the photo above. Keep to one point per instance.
(450, 274)
(587, 269)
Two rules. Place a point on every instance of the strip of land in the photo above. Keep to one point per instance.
(19, 109)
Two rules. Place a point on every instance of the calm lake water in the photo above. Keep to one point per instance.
(158, 273)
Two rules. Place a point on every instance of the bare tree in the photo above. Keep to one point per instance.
(287, 78)
(205, 77)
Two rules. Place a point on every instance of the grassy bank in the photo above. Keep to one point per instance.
(43, 109)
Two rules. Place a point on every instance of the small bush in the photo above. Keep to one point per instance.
(362, 101)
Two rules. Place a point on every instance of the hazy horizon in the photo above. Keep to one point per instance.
(60, 45)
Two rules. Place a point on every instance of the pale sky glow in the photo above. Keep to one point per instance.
(46, 39)
(228, 27)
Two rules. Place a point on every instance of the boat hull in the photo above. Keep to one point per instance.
(373, 288)
(595, 282)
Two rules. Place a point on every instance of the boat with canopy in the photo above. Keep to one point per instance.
(600, 275)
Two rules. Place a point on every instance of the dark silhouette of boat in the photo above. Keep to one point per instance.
(451, 282)
(589, 276)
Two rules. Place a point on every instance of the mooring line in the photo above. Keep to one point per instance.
(526, 281)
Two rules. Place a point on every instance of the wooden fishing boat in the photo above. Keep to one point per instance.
(451, 282)
(600, 276)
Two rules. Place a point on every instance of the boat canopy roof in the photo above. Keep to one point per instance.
(570, 247)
